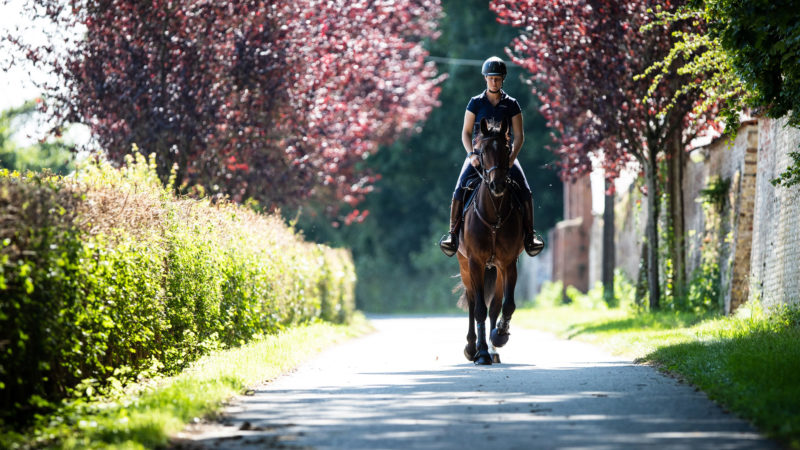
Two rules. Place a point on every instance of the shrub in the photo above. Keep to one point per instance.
(106, 276)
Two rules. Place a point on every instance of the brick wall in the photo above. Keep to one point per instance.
(775, 253)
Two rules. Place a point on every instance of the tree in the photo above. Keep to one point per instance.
(275, 100)
(54, 154)
(409, 207)
(583, 56)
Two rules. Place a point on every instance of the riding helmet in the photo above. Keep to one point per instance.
(494, 66)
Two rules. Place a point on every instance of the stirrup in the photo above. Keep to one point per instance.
(535, 245)
(448, 244)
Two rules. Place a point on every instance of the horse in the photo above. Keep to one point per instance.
(490, 241)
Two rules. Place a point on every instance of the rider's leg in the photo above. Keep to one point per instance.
(533, 245)
(449, 242)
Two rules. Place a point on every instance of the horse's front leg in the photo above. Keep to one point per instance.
(494, 312)
(482, 356)
(500, 334)
(471, 348)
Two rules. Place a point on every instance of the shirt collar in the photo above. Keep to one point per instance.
(503, 94)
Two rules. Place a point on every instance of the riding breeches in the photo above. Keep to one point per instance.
(468, 171)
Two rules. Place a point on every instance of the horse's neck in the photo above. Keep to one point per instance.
(490, 208)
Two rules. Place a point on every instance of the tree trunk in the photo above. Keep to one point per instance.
(641, 279)
(651, 230)
(676, 221)
(609, 260)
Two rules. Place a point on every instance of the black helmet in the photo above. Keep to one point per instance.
(494, 66)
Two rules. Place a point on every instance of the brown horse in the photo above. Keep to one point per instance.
(490, 242)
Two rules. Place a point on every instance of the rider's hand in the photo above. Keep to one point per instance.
(475, 161)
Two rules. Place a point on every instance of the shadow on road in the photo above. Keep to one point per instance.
(605, 405)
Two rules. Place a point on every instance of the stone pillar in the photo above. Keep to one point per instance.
(572, 236)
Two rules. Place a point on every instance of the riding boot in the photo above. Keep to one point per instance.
(533, 244)
(449, 242)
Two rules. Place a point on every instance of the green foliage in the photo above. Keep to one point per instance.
(715, 192)
(550, 295)
(106, 276)
(145, 414)
(54, 155)
(740, 54)
(762, 41)
(791, 176)
(702, 58)
(705, 287)
(595, 298)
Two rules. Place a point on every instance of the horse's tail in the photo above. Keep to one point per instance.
(462, 299)
(489, 283)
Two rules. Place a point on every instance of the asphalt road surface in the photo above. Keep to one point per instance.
(409, 386)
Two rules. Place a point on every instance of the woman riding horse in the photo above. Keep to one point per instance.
(496, 106)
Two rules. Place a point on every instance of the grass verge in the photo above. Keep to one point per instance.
(146, 414)
(748, 363)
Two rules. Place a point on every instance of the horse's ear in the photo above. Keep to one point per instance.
(504, 127)
(484, 127)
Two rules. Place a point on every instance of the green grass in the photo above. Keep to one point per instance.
(749, 363)
(148, 413)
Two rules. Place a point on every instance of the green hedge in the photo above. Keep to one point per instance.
(106, 276)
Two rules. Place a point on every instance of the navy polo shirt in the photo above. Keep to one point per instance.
(480, 105)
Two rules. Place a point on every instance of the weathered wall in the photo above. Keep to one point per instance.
(775, 254)
(734, 163)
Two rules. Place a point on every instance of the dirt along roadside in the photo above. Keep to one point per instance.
(408, 385)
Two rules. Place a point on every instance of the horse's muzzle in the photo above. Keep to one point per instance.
(497, 188)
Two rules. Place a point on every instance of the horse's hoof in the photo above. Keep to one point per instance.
(469, 352)
(483, 358)
(499, 339)
(496, 358)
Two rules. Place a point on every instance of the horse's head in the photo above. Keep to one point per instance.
(495, 156)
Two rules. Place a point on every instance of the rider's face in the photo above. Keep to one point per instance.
(494, 83)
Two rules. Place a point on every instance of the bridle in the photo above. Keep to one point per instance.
(493, 227)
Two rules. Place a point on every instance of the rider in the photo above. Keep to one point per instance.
(494, 105)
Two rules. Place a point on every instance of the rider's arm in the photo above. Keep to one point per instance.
(519, 136)
(466, 132)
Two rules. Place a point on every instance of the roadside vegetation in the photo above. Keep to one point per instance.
(747, 362)
(107, 279)
(149, 413)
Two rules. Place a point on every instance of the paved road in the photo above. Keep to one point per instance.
(408, 386)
